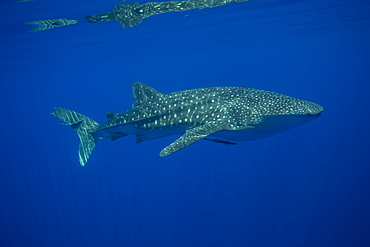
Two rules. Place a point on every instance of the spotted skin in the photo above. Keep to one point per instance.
(232, 113)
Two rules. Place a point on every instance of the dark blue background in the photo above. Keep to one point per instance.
(306, 187)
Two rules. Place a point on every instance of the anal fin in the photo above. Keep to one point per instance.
(140, 138)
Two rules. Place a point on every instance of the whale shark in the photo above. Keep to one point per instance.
(231, 113)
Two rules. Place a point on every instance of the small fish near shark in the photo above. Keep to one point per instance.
(231, 113)
(216, 140)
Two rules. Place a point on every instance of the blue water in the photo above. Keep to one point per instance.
(309, 186)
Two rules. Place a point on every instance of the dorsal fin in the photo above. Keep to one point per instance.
(143, 93)
(110, 115)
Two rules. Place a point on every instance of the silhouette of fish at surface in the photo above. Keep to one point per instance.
(231, 113)
(49, 24)
(132, 14)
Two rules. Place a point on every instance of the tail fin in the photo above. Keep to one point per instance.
(83, 126)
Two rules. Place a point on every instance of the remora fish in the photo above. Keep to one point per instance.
(216, 140)
(231, 113)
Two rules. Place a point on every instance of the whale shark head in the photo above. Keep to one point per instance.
(269, 113)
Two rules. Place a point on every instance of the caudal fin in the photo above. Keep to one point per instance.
(83, 126)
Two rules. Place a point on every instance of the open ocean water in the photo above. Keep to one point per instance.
(307, 187)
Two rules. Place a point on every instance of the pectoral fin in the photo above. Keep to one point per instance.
(191, 136)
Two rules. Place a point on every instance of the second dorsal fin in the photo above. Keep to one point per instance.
(111, 115)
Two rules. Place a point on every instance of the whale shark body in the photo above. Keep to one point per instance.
(232, 113)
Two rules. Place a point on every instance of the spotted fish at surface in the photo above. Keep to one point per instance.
(232, 113)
